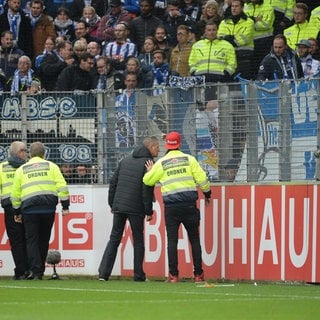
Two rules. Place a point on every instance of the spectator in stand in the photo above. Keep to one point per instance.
(78, 6)
(301, 29)
(122, 48)
(18, 23)
(49, 46)
(238, 29)
(261, 12)
(144, 77)
(79, 47)
(160, 70)
(63, 25)
(191, 8)
(108, 22)
(42, 27)
(132, 6)
(179, 58)
(283, 15)
(126, 113)
(92, 19)
(210, 13)
(224, 8)
(82, 32)
(161, 37)
(94, 48)
(67, 170)
(144, 25)
(77, 77)
(9, 54)
(52, 6)
(106, 78)
(160, 7)
(173, 19)
(23, 77)
(145, 57)
(310, 66)
(82, 174)
(314, 50)
(281, 63)
(53, 64)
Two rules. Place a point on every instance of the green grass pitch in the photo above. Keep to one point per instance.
(77, 299)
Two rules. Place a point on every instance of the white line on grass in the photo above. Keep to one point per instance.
(200, 292)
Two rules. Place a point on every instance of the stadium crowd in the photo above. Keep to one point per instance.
(52, 46)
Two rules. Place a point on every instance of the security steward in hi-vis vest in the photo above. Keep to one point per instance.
(179, 174)
(37, 186)
(17, 156)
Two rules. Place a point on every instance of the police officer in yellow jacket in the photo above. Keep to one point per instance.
(179, 174)
(17, 156)
(238, 29)
(302, 28)
(213, 58)
(37, 186)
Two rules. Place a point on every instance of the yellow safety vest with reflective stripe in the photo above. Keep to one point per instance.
(36, 181)
(299, 31)
(212, 57)
(264, 27)
(7, 172)
(179, 174)
(284, 6)
(242, 31)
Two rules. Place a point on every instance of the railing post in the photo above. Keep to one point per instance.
(252, 134)
(24, 117)
(284, 131)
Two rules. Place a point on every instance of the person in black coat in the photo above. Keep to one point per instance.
(144, 25)
(281, 63)
(78, 76)
(78, 5)
(131, 200)
(53, 63)
(22, 32)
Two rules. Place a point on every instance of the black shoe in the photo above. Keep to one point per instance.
(23, 277)
(32, 276)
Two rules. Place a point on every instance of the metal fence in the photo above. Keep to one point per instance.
(240, 132)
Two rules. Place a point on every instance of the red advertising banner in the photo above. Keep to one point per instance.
(261, 232)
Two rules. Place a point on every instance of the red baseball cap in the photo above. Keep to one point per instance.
(173, 140)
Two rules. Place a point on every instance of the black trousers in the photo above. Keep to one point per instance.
(190, 218)
(38, 230)
(110, 253)
(16, 235)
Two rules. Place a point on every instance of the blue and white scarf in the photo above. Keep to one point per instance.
(20, 83)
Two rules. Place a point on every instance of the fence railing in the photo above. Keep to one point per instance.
(240, 132)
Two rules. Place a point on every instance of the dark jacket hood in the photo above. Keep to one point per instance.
(16, 162)
(141, 152)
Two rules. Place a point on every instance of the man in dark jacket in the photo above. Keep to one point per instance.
(53, 63)
(281, 63)
(144, 25)
(131, 200)
(77, 77)
(15, 20)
